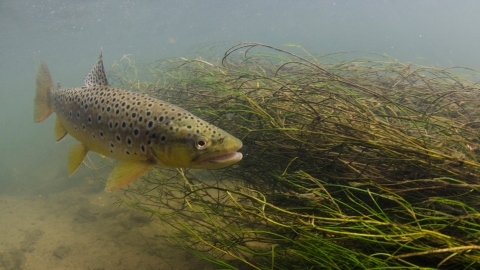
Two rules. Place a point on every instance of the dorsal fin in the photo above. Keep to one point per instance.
(97, 74)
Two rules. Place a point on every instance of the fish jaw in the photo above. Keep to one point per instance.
(225, 155)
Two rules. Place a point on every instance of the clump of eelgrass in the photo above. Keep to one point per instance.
(364, 163)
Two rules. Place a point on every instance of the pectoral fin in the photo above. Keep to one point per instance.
(59, 130)
(125, 173)
(76, 154)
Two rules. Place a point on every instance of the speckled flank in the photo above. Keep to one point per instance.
(125, 123)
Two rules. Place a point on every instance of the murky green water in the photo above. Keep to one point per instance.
(56, 222)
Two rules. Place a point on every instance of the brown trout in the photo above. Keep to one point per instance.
(137, 130)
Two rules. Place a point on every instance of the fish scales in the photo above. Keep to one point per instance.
(138, 130)
(121, 124)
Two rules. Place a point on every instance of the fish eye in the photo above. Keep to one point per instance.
(201, 143)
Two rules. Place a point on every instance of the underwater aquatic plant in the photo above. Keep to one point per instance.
(349, 164)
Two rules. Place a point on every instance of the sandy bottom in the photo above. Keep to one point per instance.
(78, 228)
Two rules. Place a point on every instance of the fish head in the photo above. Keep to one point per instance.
(198, 147)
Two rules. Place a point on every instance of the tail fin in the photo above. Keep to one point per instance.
(42, 106)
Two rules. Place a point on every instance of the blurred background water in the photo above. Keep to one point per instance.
(68, 36)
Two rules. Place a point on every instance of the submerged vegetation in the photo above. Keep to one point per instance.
(349, 162)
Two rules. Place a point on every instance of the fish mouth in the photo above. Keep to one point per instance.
(227, 158)
(230, 157)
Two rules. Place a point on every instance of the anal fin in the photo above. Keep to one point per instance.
(126, 172)
(59, 130)
(76, 154)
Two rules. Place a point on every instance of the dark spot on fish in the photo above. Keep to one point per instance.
(108, 109)
(99, 118)
(163, 138)
(136, 132)
(138, 103)
(150, 124)
(128, 107)
(117, 111)
(140, 119)
(189, 126)
(118, 137)
(134, 115)
(129, 141)
(143, 148)
(112, 145)
(149, 113)
(124, 124)
(160, 119)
